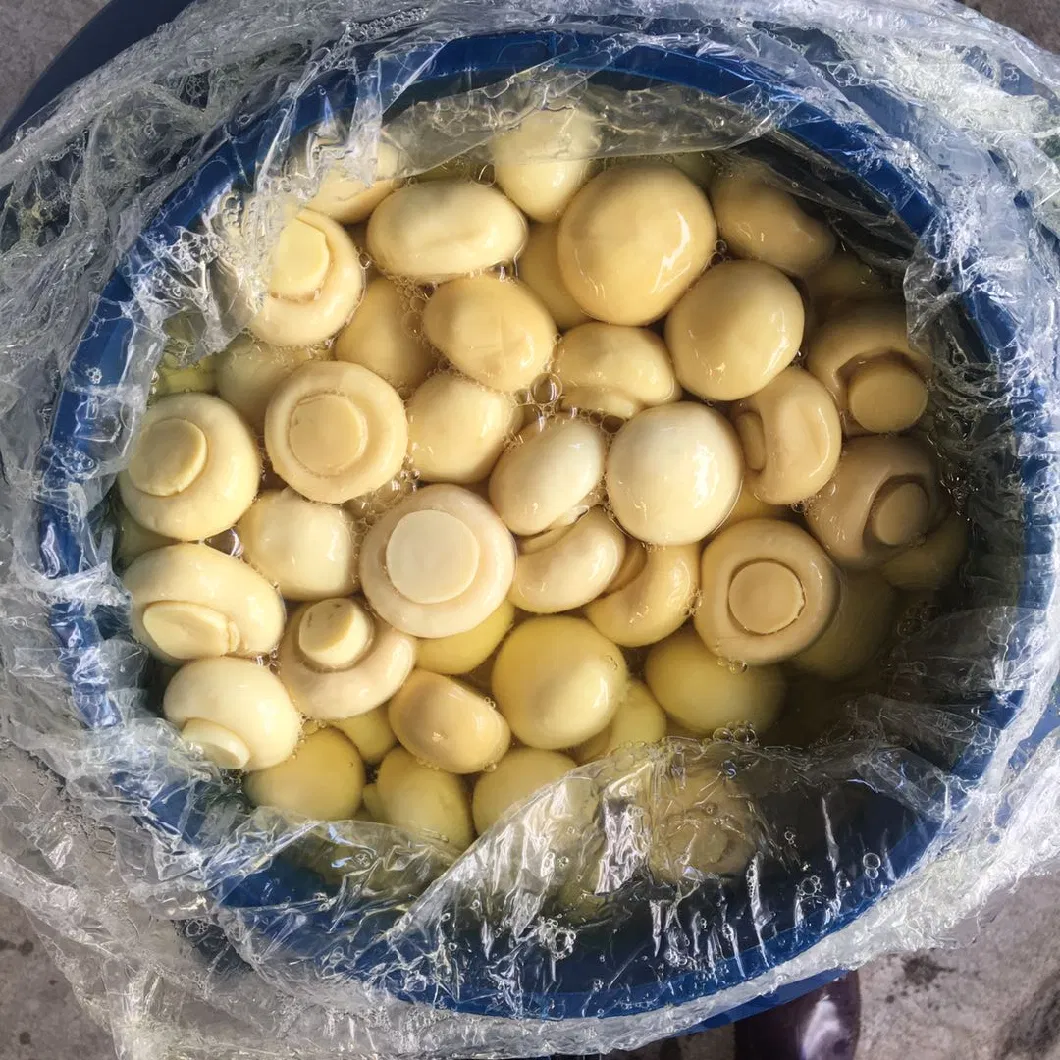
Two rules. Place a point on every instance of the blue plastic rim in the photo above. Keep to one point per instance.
(103, 358)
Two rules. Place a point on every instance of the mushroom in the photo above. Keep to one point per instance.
(463, 652)
(791, 437)
(883, 497)
(448, 725)
(335, 430)
(520, 773)
(438, 563)
(632, 241)
(432, 232)
(315, 283)
(337, 661)
(639, 719)
(674, 473)
(769, 591)
(932, 563)
(351, 201)
(545, 160)
(737, 328)
(704, 693)
(761, 221)
(652, 595)
(565, 568)
(384, 337)
(322, 780)
(235, 711)
(193, 602)
(419, 798)
(174, 375)
(860, 626)
(193, 469)
(538, 267)
(865, 360)
(458, 428)
(748, 506)
(844, 278)
(616, 370)
(370, 733)
(550, 476)
(495, 330)
(249, 371)
(307, 550)
(558, 681)
(701, 821)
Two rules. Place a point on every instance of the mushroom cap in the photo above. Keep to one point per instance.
(315, 284)
(447, 724)
(736, 329)
(419, 798)
(558, 681)
(249, 371)
(191, 601)
(463, 652)
(520, 773)
(335, 430)
(673, 473)
(370, 733)
(639, 719)
(241, 697)
(538, 268)
(433, 231)
(193, 468)
(350, 201)
(632, 240)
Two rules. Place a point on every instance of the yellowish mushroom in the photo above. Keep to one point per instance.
(639, 719)
(517, 776)
(538, 268)
(370, 733)
(193, 468)
(461, 653)
(338, 661)
(350, 201)
(632, 241)
(933, 562)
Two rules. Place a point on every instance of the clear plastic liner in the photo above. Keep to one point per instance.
(194, 926)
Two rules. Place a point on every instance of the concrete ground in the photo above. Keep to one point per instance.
(995, 999)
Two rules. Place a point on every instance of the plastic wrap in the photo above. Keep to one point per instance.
(195, 926)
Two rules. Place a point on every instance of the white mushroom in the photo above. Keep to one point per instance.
(704, 693)
(438, 563)
(384, 337)
(737, 328)
(495, 330)
(461, 653)
(543, 162)
(431, 232)
(193, 602)
(558, 682)
(860, 626)
(841, 280)
(458, 428)
(193, 469)
(249, 371)
(419, 798)
(235, 711)
(307, 550)
(865, 360)
(632, 241)
(334, 431)
(338, 661)
(883, 497)
(322, 780)
(315, 283)
(674, 473)
(370, 733)
(639, 719)
(652, 595)
(550, 476)
(134, 540)
(769, 591)
(538, 268)
(615, 370)
(448, 725)
(566, 568)
(761, 221)
(790, 435)
(517, 776)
